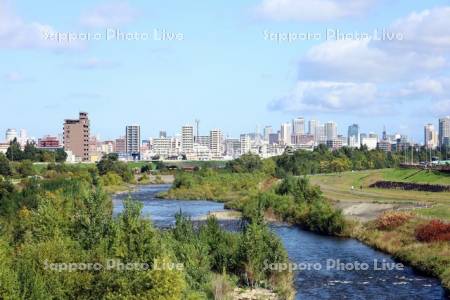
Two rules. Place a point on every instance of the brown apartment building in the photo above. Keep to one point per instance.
(76, 136)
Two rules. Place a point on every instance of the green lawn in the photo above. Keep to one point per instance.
(338, 187)
(416, 176)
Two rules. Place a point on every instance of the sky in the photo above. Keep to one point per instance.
(234, 65)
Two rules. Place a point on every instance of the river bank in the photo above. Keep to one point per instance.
(430, 258)
(304, 247)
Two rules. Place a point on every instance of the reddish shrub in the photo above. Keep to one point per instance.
(392, 219)
(434, 231)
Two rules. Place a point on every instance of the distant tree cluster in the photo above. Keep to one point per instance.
(31, 153)
(324, 160)
(110, 165)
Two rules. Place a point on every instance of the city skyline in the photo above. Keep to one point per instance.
(336, 130)
(226, 64)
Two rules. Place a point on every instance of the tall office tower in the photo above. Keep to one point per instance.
(162, 134)
(274, 138)
(133, 141)
(285, 134)
(215, 138)
(10, 135)
(313, 128)
(267, 132)
(430, 137)
(321, 135)
(187, 139)
(76, 136)
(245, 143)
(330, 129)
(353, 136)
(444, 131)
(298, 126)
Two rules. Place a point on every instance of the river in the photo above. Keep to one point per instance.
(323, 260)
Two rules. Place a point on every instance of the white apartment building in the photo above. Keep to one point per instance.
(330, 129)
(370, 142)
(245, 143)
(298, 126)
(430, 137)
(187, 139)
(215, 137)
(285, 134)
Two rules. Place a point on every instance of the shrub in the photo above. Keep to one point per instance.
(392, 219)
(434, 231)
(111, 178)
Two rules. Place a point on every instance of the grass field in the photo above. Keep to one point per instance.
(338, 187)
(416, 176)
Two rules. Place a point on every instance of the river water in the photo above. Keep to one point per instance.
(323, 269)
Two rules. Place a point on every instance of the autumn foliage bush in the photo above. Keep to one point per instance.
(434, 231)
(392, 219)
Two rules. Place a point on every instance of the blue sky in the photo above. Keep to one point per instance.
(223, 71)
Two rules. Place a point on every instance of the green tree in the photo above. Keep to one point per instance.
(25, 168)
(14, 152)
(5, 166)
(60, 155)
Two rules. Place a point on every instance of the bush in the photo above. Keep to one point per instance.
(434, 231)
(392, 219)
(111, 178)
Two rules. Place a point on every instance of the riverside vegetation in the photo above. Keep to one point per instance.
(64, 216)
(254, 187)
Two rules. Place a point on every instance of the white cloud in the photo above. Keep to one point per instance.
(16, 33)
(426, 31)
(375, 75)
(424, 50)
(317, 10)
(361, 60)
(111, 14)
(327, 96)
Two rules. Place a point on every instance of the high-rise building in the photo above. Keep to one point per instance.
(370, 142)
(444, 131)
(162, 146)
(274, 138)
(353, 136)
(162, 134)
(232, 147)
(215, 137)
(298, 126)
(285, 134)
(133, 141)
(10, 134)
(76, 136)
(203, 140)
(430, 136)
(187, 139)
(245, 143)
(330, 129)
(313, 129)
(267, 132)
(120, 145)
